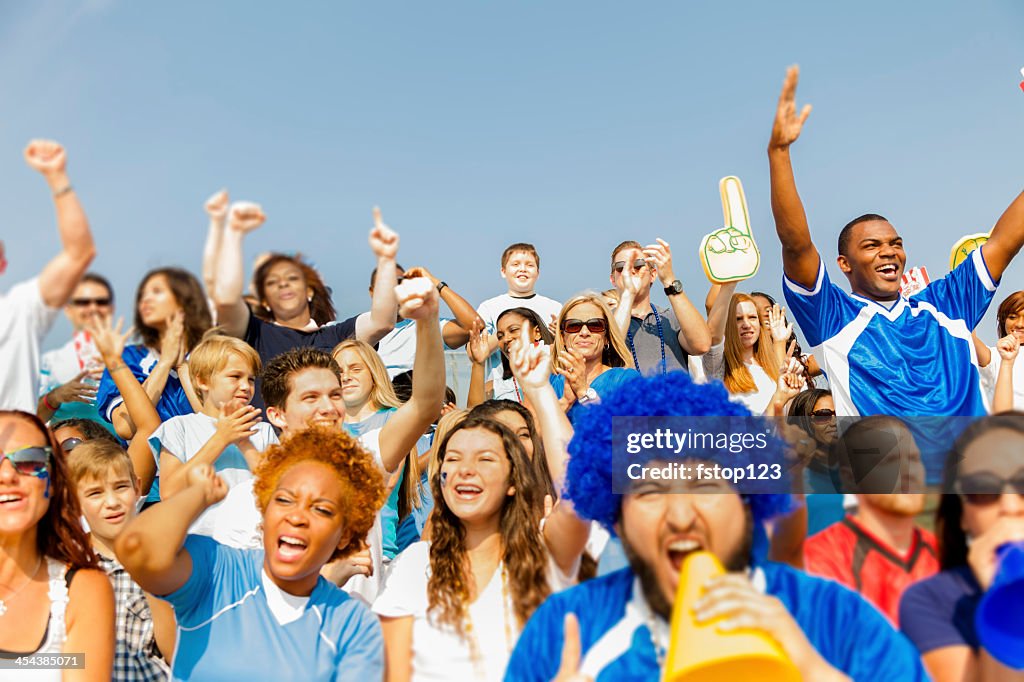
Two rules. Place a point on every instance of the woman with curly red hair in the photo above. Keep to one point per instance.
(53, 599)
(244, 613)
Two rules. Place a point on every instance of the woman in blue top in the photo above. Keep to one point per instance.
(171, 317)
(589, 354)
(985, 468)
(259, 614)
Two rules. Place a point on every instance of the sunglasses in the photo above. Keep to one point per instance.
(985, 487)
(83, 302)
(596, 326)
(31, 461)
(822, 416)
(69, 444)
(638, 264)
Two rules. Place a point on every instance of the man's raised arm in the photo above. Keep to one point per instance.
(800, 258)
(1006, 239)
(62, 274)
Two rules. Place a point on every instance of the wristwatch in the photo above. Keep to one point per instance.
(589, 397)
(675, 288)
(441, 285)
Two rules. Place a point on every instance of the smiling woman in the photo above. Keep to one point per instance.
(318, 493)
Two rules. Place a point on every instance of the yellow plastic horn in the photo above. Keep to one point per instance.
(963, 248)
(698, 652)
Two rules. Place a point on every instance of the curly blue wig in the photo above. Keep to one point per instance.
(589, 476)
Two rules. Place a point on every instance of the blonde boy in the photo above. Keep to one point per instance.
(108, 491)
(227, 433)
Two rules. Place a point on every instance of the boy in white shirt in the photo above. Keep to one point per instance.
(520, 268)
(227, 433)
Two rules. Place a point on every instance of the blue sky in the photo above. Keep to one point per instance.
(573, 125)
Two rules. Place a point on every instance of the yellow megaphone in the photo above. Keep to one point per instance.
(698, 652)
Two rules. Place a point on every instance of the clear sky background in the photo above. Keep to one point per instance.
(569, 124)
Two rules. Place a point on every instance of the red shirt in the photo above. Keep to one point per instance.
(849, 554)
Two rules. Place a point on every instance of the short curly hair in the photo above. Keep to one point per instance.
(362, 479)
(590, 472)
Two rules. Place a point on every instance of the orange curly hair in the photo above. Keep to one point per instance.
(362, 479)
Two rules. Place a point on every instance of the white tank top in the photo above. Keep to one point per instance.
(56, 630)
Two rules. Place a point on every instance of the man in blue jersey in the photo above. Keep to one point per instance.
(623, 632)
(883, 353)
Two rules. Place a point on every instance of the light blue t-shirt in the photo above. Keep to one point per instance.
(605, 383)
(229, 629)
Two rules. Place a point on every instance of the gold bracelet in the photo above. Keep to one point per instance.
(62, 191)
(119, 367)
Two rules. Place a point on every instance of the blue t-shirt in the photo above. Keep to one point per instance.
(603, 385)
(847, 631)
(939, 612)
(141, 360)
(227, 629)
(910, 357)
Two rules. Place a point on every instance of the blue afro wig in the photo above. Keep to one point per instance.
(589, 475)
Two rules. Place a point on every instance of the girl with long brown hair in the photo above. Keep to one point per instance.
(453, 608)
(53, 600)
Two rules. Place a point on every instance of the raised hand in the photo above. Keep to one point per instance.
(631, 282)
(981, 555)
(788, 123)
(479, 341)
(46, 156)
(172, 344)
(417, 298)
(217, 206)
(420, 271)
(383, 240)
(109, 339)
(78, 390)
(660, 256)
(245, 216)
(531, 365)
(204, 478)
(573, 367)
(1008, 346)
(237, 421)
(777, 324)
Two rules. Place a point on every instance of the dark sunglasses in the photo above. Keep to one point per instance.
(822, 416)
(83, 302)
(986, 487)
(638, 264)
(69, 444)
(31, 461)
(596, 326)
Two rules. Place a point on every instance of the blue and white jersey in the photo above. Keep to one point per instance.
(234, 623)
(141, 360)
(913, 358)
(616, 643)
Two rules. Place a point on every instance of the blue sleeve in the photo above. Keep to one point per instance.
(964, 294)
(195, 601)
(107, 393)
(928, 615)
(538, 653)
(361, 647)
(820, 312)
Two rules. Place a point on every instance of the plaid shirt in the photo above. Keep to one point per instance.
(136, 656)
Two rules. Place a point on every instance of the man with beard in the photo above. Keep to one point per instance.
(879, 551)
(616, 627)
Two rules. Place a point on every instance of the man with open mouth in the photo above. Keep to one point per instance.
(621, 628)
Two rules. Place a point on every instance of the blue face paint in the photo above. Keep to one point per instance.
(444, 478)
(46, 475)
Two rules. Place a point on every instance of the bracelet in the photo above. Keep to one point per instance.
(46, 401)
(441, 285)
(62, 191)
(118, 368)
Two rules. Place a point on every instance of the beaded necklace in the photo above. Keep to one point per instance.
(661, 338)
(475, 653)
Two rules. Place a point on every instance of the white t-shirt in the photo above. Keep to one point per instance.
(756, 401)
(990, 372)
(362, 586)
(398, 348)
(489, 312)
(439, 654)
(24, 321)
(238, 522)
(183, 436)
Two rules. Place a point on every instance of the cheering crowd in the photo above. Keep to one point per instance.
(242, 486)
